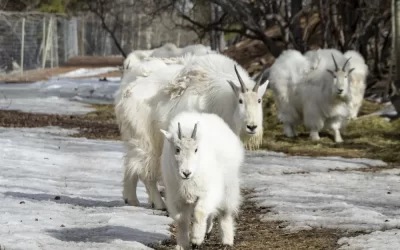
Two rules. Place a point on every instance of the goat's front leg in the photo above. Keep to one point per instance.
(199, 228)
(183, 224)
(227, 228)
(336, 126)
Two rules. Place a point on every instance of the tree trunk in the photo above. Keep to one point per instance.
(395, 99)
(296, 7)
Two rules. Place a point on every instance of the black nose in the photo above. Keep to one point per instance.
(252, 128)
(186, 173)
(340, 91)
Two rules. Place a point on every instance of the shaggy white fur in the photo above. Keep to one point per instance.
(358, 80)
(207, 84)
(201, 176)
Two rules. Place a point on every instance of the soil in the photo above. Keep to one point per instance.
(91, 126)
(251, 234)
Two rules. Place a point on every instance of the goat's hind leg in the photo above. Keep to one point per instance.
(129, 187)
(154, 195)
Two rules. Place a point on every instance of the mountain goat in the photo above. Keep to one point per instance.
(211, 84)
(196, 49)
(357, 81)
(135, 57)
(201, 176)
(129, 76)
(325, 97)
(288, 71)
(316, 91)
(166, 51)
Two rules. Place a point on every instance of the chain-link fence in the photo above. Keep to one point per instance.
(32, 40)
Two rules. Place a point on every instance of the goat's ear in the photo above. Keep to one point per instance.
(351, 70)
(235, 88)
(263, 87)
(330, 71)
(167, 135)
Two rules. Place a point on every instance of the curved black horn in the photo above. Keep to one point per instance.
(194, 131)
(179, 131)
(344, 66)
(242, 85)
(336, 66)
(258, 83)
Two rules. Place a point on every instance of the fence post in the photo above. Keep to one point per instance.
(83, 36)
(22, 45)
(44, 43)
(139, 33)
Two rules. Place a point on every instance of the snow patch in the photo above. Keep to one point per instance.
(305, 192)
(387, 240)
(59, 192)
(88, 72)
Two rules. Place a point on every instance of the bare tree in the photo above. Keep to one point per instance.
(395, 99)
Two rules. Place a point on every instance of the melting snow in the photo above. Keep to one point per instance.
(326, 192)
(59, 192)
(88, 72)
(387, 240)
(58, 96)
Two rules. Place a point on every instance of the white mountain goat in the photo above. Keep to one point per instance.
(201, 176)
(143, 69)
(196, 49)
(166, 51)
(358, 80)
(211, 84)
(288, 71)
(135, 57)
(324, 98)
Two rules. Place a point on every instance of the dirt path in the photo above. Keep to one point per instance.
(251, 233)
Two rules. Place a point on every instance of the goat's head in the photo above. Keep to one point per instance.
(184, 150)
(341, 82)
(249, 103)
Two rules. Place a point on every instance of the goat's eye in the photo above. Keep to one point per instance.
(195, 150)
(177, 150)
(259, 100)
(240, 101)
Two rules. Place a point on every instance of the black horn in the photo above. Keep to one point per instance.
(179, 131)
(258, 83)
(336, 66)
(194, 131)
(344, 66)
(242, 85)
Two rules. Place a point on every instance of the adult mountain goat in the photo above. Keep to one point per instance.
(320, 98)
(357, 81)
(211, 84)
(201, 176)
(289, 70)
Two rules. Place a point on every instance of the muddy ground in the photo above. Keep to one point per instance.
(251, 233)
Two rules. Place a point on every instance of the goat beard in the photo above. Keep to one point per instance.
(345, 98)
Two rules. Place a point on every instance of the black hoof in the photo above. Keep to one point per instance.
(207, 236)
(152, 205)
(126, 201)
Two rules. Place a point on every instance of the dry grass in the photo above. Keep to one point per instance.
(371, 137)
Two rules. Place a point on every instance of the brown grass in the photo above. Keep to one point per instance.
(369, 137)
